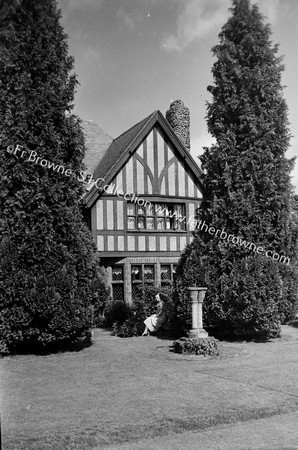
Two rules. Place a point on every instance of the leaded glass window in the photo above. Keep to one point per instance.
(118, 283)
(117, 273)
(156, 216)
(148, 273)
(167, 274)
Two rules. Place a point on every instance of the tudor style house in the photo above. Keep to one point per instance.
(141, 207)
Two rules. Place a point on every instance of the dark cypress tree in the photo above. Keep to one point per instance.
(247, 190)
(48, 263)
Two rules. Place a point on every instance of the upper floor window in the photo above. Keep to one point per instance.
(156, 216)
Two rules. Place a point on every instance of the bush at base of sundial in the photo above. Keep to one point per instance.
(197, 346)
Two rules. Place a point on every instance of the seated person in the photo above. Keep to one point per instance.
(154, 322)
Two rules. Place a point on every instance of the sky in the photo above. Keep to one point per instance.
(133, 57)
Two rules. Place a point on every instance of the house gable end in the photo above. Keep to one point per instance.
(151, 160)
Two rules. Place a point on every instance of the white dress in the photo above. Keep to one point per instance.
(154, 322)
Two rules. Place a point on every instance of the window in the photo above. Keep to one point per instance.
(118, 283)
(156, 216)
(117, 273)
(167, 274)
(141, 273)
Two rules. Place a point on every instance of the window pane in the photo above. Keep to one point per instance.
(141, 223)
(179, 210)
(169, 224)
(179, 225)
(148, 272)
(160, 209)
(131, 209)
(165, 272)
(150, 223)
(118, 292)
(169, 210)
(117, 273)
(160, 224)
(141, 210)
(136, 273)
(174, 270)
(131, 223)
(149, 209)
(134, 291)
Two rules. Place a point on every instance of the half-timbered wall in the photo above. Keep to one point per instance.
(155, 169)
(108, 221)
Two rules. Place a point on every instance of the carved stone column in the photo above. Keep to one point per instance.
(197, 295)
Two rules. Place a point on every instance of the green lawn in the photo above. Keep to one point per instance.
(121, 390)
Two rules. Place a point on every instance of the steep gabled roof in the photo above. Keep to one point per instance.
(97, 143)
(122, 147)
(118, 148)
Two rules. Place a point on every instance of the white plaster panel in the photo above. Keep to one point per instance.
(100, 243)
(152, 243)
(131, 243)
(163, 243)
(99, 214)
(120, 243)
(173, 243)
(111, 243)
(110, 215)
(120, 215)
(142, 243)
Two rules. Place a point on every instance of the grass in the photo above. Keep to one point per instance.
(121, 390)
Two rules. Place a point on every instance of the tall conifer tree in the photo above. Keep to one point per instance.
(48, 263)
(247, 190)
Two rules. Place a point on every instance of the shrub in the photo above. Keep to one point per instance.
(288, 304)
(128, 329)
(101, 298)
(198, 346)
(46, 308)
(244, 302)
(116, 312)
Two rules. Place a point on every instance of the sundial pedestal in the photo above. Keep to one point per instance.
(197, 295)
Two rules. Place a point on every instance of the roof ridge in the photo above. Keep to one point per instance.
(146, 120)
(135, 125)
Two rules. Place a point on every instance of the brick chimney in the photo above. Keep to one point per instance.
(178, 117)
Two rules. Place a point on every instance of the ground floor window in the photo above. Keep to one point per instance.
(142, 273)
(127, 275)
(167, 274)
(118, 283)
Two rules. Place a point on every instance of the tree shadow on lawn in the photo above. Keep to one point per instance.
(293, 323)
(67, 345)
